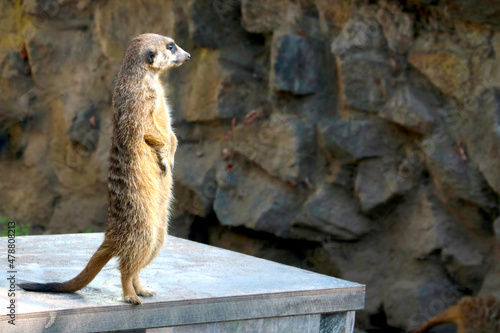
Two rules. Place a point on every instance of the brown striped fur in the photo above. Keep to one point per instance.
(140, 176)
(470, 315)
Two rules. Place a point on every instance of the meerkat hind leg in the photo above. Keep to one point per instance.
(137, 283)
(129, 295)
(138, 287)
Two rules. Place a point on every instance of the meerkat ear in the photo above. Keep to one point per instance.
(150, 56)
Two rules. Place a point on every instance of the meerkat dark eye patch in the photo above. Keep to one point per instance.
(171, 47)
(150, 56)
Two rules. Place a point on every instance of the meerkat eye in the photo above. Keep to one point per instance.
(171, 47)
(150, 56)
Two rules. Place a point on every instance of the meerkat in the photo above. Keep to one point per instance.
(470, 315)
(140, 175)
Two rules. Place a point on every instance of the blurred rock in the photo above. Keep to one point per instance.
(397, 27)
(496, 228)
(425, 295)
(422, 224)
(481, 12)
(297, 64)
(15, 79)
(491, 283)
(357, 139)
(360, 33)
(194, 174)
(378, 182)
(454, 175)
(261, 16)
(447, 71)
(28, 199)
(467, 264)
(427, 232)
(216, 23)
(333, 14)
(367, 80)
(224, 91)
(283, 146)
(331, 211)
(61, 60)
(413, 107)
(268, 205)
(483, 145)
(79, 213)
(17, 89)
(84, 129)
(366, 71)
(343, 175)
(114, 27)
(180, 225)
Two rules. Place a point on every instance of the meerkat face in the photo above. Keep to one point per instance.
(163, 54)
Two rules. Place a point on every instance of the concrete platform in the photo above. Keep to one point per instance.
(199, 288)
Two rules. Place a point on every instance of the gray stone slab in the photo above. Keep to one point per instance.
(292, 324)
(195, 284)
(342, 322)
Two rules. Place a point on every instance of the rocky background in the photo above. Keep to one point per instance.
(358, 139)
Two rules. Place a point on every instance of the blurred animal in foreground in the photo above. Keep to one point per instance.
(470, 315)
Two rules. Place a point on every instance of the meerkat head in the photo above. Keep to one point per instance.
(158, 52)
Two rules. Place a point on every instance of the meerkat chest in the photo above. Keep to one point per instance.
(161, 112)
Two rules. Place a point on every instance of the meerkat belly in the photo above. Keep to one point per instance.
(151, 184)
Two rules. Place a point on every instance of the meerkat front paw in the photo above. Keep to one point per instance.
(164, 166)
(132, 299)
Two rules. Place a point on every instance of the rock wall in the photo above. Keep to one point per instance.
(354, 138)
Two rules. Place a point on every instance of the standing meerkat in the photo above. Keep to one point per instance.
(470, 315)
(140, 175)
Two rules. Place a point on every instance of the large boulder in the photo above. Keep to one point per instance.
(16, 86)
(397, 26)
(483, 145)
(446, 70)
(223, 90)
(491, 283)
(425, 294)
(216, 23)
(413, 106)
(297, 64)
(379, 181)
(28, 199)
(360, 34)
(331, 211)
(115, 27)
(194, 173)
(425, 230)
(260, 16)
(53, 55)
(85, 128)
(422, 224)
(455, 176)
(358, 139)
(284, 147)
(487, 12)
(366, 71)
(247, 197)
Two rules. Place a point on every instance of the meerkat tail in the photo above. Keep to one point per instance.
(96, 263)
(449, 316)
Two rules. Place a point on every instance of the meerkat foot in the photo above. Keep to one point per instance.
(132, 299)
(139, 290)
(146, 292)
